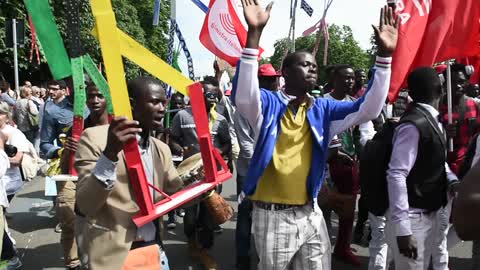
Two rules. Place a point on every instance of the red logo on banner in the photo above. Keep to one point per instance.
(223, 33)
(432, 31)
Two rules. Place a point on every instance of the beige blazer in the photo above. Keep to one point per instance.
(110, 230)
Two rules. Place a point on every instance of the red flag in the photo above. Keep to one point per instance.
(223, 33)
(432, 31)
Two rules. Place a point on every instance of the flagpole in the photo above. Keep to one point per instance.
(293, 25)
(449, 102)
(15, 55)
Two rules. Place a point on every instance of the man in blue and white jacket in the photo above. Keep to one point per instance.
(292, 132)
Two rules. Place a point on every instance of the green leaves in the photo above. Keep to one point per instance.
(342, 49)
(133, 16)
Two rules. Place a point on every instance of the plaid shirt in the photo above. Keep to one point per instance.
(464, 133)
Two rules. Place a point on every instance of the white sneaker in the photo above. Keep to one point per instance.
(171, 225)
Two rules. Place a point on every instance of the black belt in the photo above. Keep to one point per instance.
(275, 206)
(140, 244)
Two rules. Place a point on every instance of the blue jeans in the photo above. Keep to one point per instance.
(244, 223)
(164, 261)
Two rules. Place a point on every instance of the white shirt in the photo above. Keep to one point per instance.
(404, 155)
(4, 165)
(12, 179)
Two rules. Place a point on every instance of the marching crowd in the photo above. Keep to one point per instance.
(300, 151)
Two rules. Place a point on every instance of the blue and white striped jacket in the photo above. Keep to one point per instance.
(265, 109)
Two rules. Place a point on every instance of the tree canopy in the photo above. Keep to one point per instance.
(133, 16)
(342, 49)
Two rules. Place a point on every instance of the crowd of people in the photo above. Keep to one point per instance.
(300, 151)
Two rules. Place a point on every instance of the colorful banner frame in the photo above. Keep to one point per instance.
(108, 35)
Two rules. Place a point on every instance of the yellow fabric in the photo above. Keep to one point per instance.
(213, 117)
(54, 165)
(285, 179)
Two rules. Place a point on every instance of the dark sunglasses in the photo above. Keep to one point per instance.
(210, 95)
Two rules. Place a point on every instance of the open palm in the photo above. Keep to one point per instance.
(386, 34)
(255, 15)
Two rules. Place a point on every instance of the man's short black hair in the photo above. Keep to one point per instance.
(89, 85)
(210, 80)
(358, 71)
(329, 69)
(341, 67)
(424, 85)
(138, 86)
(290, 58)
(61, 83)
(457, 67)
(177, 94)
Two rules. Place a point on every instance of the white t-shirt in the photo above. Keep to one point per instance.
(12, 180)
(4, 165)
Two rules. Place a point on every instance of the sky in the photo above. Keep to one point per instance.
(358, 14)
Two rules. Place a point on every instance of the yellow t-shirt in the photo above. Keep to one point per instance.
(285, 178)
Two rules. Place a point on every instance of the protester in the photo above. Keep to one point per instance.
(417, 175)
(111, 237)
(291, 127)
(465, 116)
(467, 204)
(225, 107)
(360, 81)
(5, 89)
(246, 139)
(177, 103)
(43, 94)
(36, 96)
(12, 180)
(4, 166)
(198, 226)
(473, 91)
(27, 84)
(57, 118)
(328, 87)
(73, 221)
(401, 103)
(343, 164)
(26, 114)
(465, 119)
(268, 77)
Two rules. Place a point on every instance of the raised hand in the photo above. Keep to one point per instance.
(256, 18)
(386, 34)
(255, 15)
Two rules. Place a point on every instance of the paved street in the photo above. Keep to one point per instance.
(32, 227)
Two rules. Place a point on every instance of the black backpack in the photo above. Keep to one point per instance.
(374, 161)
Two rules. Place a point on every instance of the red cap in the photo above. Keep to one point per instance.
(228, 92)
(267, 70)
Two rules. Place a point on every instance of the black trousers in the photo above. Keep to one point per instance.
(199, 225)
(8, 250)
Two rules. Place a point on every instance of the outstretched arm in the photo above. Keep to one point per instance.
(346, 114)
(246, 92)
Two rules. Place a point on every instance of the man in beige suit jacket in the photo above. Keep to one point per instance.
(104, 193)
